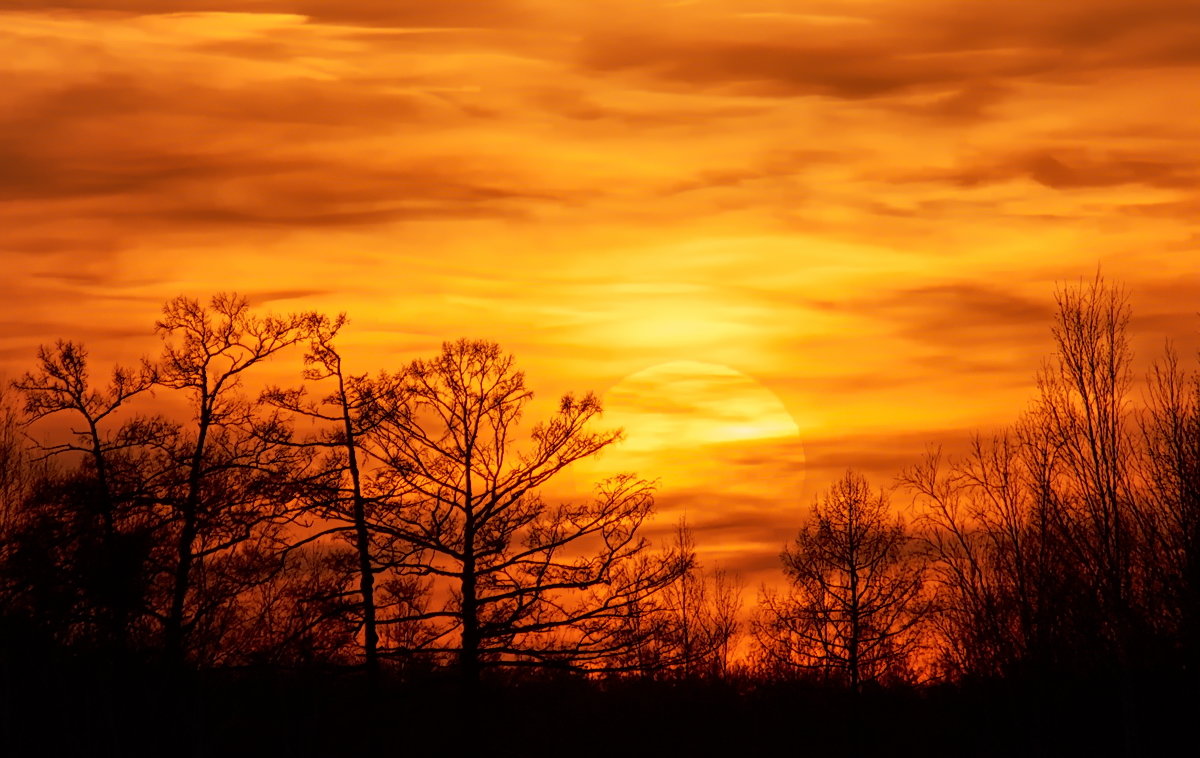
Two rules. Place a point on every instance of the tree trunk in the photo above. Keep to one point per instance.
(176, 652)
(174, 631)
(366, 575)
(366, 586)
(469, 657)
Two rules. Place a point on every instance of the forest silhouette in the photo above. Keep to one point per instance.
(362, 563)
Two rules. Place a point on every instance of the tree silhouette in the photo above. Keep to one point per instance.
(987, 523)
(62, 385)
(21, 474)
(855, 594)
(297, 617)
(1171, 433)
(234, 487)
(93, 523)
(337, 492)
(16, 464)
(530, 583)
(1082, 417)
(692, 629)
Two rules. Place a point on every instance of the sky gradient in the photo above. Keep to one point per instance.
(858, 207)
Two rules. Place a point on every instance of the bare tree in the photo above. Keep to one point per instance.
(856, 591)
(100, 509)
(987, 523)
(701, 624)
(1042, 544)
(298, 617)
(233, 487)
(19, 473)
(337, 492)
(16, 463)
(725, 589)
(529, 583)
(1171, 434)
(1081, 419)
(62, 385)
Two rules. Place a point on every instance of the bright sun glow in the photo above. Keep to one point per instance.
(723, 448)
(687, 403)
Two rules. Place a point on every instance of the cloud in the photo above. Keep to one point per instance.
(190, 127)
(107, 141)
(880, 455)
(263, 297)
(385, 13)
(71, 330)
(419, 13)
(863, 205)
(763, 68)
(972, 101)
(743, 534)
(953, 315)
(887, 50)
(744, 531)
(1070, 168)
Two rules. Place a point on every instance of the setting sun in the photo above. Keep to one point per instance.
(687, 402)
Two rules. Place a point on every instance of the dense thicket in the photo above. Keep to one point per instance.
(167, 529)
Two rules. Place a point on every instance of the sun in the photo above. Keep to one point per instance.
(687, 403)
(724, 449)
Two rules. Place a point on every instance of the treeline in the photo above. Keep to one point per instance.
(1067, 544)
(388, 526)
(353, 518)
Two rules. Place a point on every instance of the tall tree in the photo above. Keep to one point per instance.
(529, 583)
(233, 485)
(337, 491)
(856, 591)
(19, 473)
(62, 385)
(1081, 419)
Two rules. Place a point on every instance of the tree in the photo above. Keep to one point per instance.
(337, 492)
(15, 463)
(298, 617)
(19, 474)
(723, 589)
(986, 521)
(696, 634)
(528, 583)
(62, 385)
(856, 591)
(1171, 434)
(1080, 420)
(234, 487)
(93, 521)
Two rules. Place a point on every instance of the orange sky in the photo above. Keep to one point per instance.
(861, 206)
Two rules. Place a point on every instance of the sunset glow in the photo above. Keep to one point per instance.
(599, 378)
(795, 235)
(697, 403)
(703, 420)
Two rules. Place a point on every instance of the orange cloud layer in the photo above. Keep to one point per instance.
(863, 205)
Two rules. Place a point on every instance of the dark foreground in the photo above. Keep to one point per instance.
(93, 710)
